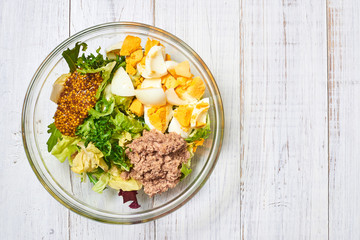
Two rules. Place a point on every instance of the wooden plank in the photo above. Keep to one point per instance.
(284, 181)
(29, 31)
(344, 114)
(101, 12)
(89, 13)
(211, 28)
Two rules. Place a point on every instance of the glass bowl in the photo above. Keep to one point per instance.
(66, 186)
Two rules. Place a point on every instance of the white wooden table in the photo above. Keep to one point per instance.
(289, 74)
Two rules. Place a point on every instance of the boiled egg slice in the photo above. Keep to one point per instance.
(158, 117)
(173, 98)
(155, 66)
(183, 69)
(121, 84)
(170, 65)
(198, 116)
(114, 47)
(175, 127)
(151, 83)
(151, 96)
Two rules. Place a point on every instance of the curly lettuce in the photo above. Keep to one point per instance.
(65, 148)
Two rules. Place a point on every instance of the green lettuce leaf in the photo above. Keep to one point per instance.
(98, 131)
(200, 133)
(71, 55)
(102, 182)
(54, 137)
(129, 124)
(186, 167)
(91, 61)
(94, 176)
(103, 107)
(118, 157)
(65, 148)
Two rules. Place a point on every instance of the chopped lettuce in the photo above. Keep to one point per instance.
(98, 131)
(200, 133)
(186, 167)
(91, 61)
(118, 157)
(94, 176)
(71, 55)
(101, 184)
(124, 137)
(88, 160)
(65, 148)
(129, 124)
(54, 137)
(117, 182)
(123, 103)
(103, 107)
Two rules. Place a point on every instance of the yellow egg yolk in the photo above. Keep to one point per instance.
(130, 45)
(183, 115)
(157, 117)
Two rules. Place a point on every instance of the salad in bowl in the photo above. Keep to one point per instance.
(128, 117)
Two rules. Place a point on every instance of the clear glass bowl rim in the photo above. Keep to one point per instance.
(150, 214)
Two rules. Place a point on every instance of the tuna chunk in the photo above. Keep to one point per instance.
(157, 160)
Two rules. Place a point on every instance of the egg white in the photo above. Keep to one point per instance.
(168, 117)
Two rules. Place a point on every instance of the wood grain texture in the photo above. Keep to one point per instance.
(89, 13)
(211, 28)
(284, 181)
(287, 71)
(101, 12)
(27, 209)
(344, 114)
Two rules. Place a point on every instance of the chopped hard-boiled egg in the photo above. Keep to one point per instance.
(158, 117)
(151, 83)
(176, 127)
(132, 60)
(173, 98)
(169, 81)
(192, 114)
(170, 65)
(130, 45)
(198, 116)
(183, 114)
(151, 96)
(121, 84)
(183, 69)
(190, 89)
(115, 48)
(154, 63)
(149, 44)
(137, 107)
